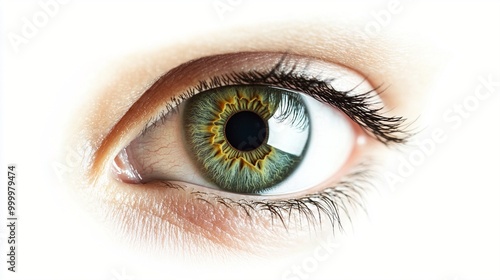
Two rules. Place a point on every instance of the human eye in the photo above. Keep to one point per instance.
(234, 143)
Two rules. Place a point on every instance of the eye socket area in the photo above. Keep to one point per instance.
(199, 212)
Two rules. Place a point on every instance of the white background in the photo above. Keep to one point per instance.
(442, 222)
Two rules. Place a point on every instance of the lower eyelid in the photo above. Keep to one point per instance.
(166, 217)
(173, 217)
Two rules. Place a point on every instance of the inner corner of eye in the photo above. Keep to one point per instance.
(124, 169)
(243, 139)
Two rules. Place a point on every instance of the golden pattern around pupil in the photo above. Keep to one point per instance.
(224, 151)
(229, 168)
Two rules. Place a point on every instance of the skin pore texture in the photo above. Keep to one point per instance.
(87, 76)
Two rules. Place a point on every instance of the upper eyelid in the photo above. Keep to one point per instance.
(367, 111)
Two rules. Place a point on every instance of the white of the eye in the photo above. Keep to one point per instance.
(331, 141)
(286, 136)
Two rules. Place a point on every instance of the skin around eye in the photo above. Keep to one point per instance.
(171, 219)
(67, 87)
(216, 220)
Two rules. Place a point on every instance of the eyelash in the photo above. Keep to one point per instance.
(332, 202)
(363, 109)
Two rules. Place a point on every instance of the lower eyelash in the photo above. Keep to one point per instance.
(331, 203)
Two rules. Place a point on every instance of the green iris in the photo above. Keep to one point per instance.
(246, 139)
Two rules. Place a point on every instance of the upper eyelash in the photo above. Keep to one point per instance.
(363, 108)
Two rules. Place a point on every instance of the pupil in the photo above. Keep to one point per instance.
(245, 131)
